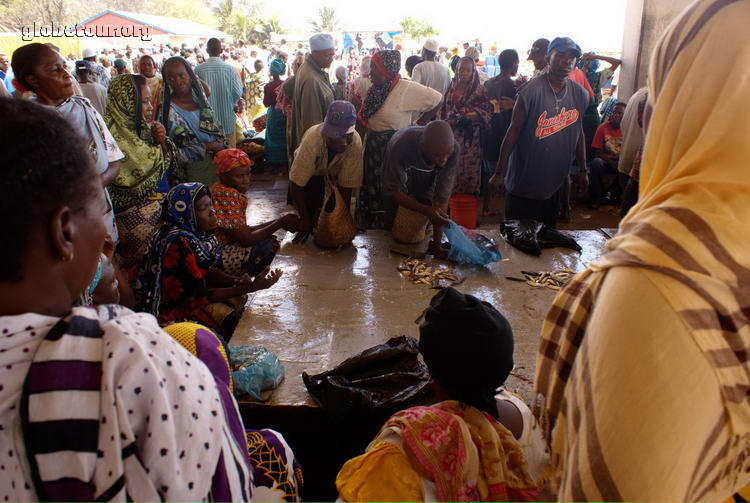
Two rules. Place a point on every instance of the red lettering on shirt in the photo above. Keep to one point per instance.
(547, 127)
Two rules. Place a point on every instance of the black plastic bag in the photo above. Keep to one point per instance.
(521, 234)
(531, 237)
(552, 238)
(383, 379)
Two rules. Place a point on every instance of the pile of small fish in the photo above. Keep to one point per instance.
(417, 271)
(553, 280)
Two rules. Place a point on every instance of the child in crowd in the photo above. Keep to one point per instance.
(242, 127)
(230, 202)
(181, 279)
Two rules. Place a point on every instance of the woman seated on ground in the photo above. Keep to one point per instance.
(130, 390)
(190, 122)
(284, 481)
(180, 279)
(146, 172)
(252, 247)
(41, 69)
(475, 446)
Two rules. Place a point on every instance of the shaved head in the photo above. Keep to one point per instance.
(213, 47)
(437, 143)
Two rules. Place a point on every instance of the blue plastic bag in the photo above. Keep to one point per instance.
(469, 247)
(259, 370)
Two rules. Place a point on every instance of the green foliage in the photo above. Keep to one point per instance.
(326, 22)
(418, 28)
(224, 12)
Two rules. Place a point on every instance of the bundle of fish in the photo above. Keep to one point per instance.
(554, 280)
(417, 271)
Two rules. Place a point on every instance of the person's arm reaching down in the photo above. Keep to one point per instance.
(509, 143)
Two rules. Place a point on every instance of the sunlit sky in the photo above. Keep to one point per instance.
(594, 24)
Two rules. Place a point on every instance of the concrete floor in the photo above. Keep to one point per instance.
(330, 305)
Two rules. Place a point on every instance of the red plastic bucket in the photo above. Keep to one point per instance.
(464, 208)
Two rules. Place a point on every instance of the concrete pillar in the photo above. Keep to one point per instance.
(645, 21)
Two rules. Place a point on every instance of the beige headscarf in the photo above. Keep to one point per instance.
(692, 222)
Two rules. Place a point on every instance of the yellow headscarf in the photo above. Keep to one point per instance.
(692, 222)
(697, 152)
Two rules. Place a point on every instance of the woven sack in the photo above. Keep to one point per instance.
(409, 227)
(335, 225)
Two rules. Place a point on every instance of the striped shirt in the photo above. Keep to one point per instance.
(114, 409)
(226, 89)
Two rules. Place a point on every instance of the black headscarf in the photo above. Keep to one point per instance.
(468, 348)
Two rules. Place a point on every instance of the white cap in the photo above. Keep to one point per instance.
(321, 42)
(431, 45)
(89, 53)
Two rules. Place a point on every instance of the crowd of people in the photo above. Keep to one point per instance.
(128, 261)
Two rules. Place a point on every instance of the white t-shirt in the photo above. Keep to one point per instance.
(407, 97)
(433, 75)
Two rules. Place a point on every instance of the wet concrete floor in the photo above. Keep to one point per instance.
(330, 305)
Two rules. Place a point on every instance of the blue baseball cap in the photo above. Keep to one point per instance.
(83, 65)
(563, 44)
(340, 119)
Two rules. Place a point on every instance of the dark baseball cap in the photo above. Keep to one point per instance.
(82, 65)
(564, 44)
(538, 47)
(340, 119)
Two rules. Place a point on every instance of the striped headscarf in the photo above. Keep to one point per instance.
(689, 225)
(387, 63)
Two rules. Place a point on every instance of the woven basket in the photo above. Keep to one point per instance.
(409, 227)
(335, 225)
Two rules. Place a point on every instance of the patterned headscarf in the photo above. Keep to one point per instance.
(145, 162)
(229, 159)
(277, 67)
(388, 63)
(179, 221)
(474, 99)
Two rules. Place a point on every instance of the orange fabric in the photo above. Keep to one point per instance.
(381, 474)
(229, 159)
(231, 209)
(577, 75)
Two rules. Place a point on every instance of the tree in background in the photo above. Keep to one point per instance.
(418, 28)
(224, 12)
(327, 22)
(261, 29)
